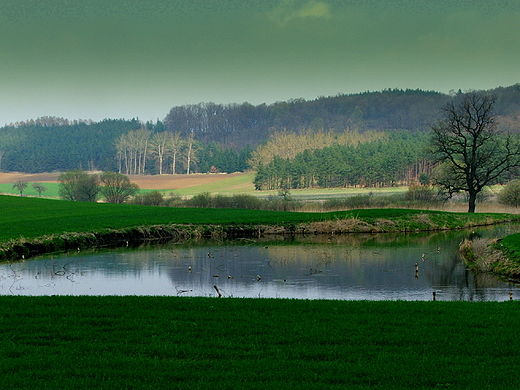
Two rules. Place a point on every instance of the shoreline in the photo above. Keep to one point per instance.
(490, 256)
(22, 248)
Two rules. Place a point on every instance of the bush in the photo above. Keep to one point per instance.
(360, 202)
(174, 200)
(153, 198)
(204, 199)
(419, 193)
(510, 194)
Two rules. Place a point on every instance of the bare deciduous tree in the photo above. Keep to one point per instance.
(132, 151)
(174, 146)
(159, 148)
(190, 152)
(117, 188)
(472, 150)
(39, 187)
(20, 185)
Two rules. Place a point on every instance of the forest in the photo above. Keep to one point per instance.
(368, 139)
(392, 159)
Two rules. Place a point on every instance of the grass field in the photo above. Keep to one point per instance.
(511, 245)
(187, 186)
(32, 217)
(231, 343)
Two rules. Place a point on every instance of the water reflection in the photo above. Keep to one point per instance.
(352, 267)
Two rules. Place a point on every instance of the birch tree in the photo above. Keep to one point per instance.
(190, 152)
(159, 149)
(132, 151)
(174, 147)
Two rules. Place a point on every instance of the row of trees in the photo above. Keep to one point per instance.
(21, 185)
(143, 151)
(383, 162)
(54, 144)
(239, 125)
(80, 186)
(136, 148)
(287, 145)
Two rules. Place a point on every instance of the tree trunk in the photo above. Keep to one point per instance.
(472, 202)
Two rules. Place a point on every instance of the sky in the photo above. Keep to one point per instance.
(97, 59)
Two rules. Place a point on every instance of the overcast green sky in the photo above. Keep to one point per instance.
(138, 58)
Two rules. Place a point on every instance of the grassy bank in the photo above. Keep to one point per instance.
(211, 343)
(499, 257)
(56, 225)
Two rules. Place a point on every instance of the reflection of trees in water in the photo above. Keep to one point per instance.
(365, 261)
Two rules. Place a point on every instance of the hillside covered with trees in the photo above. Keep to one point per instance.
(337, 138)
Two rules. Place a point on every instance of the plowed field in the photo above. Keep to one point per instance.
(157, 182)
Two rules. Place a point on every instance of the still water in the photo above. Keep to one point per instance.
(350, 267)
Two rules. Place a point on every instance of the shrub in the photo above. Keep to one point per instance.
(420, 193)
(174, 200)
(153, 198)
(204, 199)
(359, 202)
(510, 194)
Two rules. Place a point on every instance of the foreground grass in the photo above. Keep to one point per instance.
(30, 218)
(210, 343)
(511, 246)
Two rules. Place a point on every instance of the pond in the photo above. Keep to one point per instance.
(349, 267)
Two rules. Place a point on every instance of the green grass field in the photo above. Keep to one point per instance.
(52, 190)
(231, 343)
(241, 184)
(511, 245)
(32, 217)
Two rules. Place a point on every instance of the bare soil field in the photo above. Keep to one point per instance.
(174, 182)
(13, 177)
(156, 182)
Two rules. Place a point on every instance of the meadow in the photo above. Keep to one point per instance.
(30, 218)
(177, 189)
(189, 185)
(229, 343)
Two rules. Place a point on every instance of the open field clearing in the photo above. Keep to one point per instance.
(187, 186)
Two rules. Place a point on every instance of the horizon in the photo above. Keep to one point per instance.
(124, 59)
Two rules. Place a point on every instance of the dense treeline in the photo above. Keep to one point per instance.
(209, 137)
(286, 145)
(55, 144)
(383, 162)
(237, 125)
(143, 151)
(127, 146)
